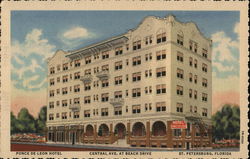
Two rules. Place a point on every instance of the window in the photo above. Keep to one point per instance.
(87, 72)
(96, 56)
(118, 51)
(160, 106)
(177, 132)
(105, 68)
(161, 38)
(96, 83)
(65, 78)
(160, 55)
(118, 94)
(190, 61)
(195, 63)
(148, 57)
(204, 67)
(148, 73)
(179, 107)
(195, 79)
(64, 115)
(118, 80)
(87, 100)
(204, 97)
(76, 114)
(160, 89)
(179, 90)
(137, 45)
(127, 47)
(195, 94)
(136, 109)
(105, 55)
(52, 70)
(190, 93)
(77, 63)
(96, 69)
(118, 65)
(52, 93)
(136, 60)
(180, 73)
(190, 77)
(64, 103)
(52, 82)
(136, 92)
(148, 90)
(86, 113)
(188, 130)
(105, 83)
(105, 97)
(65, 66)
(136, 76)
(195, 109)
(58, 67)
(58, 91)
(87, 86)
(95, 96)
(204, 53)
(77, 88)
(57, 103)
(179, 56)
(179, 39)
(104, 112)
(58, 79)
(88, 60)
(204, 82)
(160, 72)
(51, 116)
(148, 40)
(57, 115)
(193, 46)
(204, 112)
(126, 93)
(51, 104)
(77, 75)
(118, 111)
(127, 77)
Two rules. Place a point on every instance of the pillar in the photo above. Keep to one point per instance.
(112, 136)
(169, 135)
(95, 133)
(148, 133)
(128, 133)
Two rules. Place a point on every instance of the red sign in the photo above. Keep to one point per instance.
(178, 125)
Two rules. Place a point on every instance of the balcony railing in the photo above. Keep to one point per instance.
(117, 102)
(86, 78)
(75, 107)
(192, 116)
(103, 74)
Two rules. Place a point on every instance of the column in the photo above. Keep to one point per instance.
(128, 133)
(169, 135)
(95, 133)
(112, 139)
(148, 133)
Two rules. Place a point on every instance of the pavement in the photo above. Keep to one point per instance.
(116, 148)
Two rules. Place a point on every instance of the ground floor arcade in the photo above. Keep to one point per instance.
(156, 133)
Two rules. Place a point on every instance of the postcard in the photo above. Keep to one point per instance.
(124, 79)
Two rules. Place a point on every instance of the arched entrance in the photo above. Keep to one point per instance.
(138, 129)
(103, 130)
(89, 130)
(120, 130)
(159, 129)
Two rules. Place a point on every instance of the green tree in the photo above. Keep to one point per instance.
(14, 123)
(226, 123)
(41, 120)
(26, 122)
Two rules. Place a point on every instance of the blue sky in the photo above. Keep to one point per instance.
(36, 35)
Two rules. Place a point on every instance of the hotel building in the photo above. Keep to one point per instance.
(128, 90)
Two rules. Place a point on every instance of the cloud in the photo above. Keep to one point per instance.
(75, 36)
(229, 83)
(237, 28)
(76, 32)
(29, 67)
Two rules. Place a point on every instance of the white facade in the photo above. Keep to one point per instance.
(158, 42)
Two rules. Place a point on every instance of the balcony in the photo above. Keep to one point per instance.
(103, 75)
(192, 116)
(117, 102)
(86, 78)
(75, 107)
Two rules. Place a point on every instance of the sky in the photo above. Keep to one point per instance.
(37, 35)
